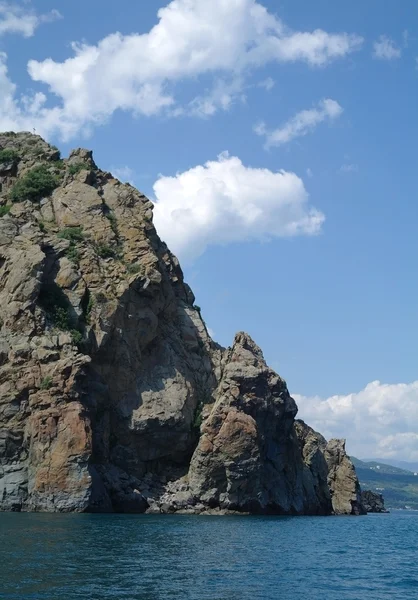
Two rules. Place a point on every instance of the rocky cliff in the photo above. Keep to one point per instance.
(113, 396)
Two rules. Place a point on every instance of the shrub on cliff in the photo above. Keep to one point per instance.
(76, 168)
(73, 234)
(34, 185)
(105, 251)
(56, 305)
(7, 155)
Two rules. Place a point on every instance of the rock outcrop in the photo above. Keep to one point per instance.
(248, 454)
(113, 396)
(373, 502)
(342, 480)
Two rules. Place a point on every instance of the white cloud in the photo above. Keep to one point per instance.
(124, 174)
(221, 97)
(302, 123)
(309, 172)
(268, 84)
(379, 421)
(385, 49)
(348, 168)
(222, 39)
(224, 201)
(21, 20)
(29, 112)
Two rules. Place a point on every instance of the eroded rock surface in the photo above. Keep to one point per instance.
(113, 396)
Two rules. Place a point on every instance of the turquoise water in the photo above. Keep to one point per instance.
(118, 557)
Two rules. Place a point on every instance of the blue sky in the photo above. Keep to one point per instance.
(279, 142)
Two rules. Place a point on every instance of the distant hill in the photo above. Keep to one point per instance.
(398, 486)
(401, 464)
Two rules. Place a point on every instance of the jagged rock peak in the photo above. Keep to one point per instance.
(81, 155)
(113, 396)
(244, 341)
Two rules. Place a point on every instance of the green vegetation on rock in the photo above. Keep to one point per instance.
(105, 251)
(75, 168)
(134, 268)
(73, 254)
(77, 337)
(34, 185)
(46, 383)
(56, 305)
(198, 417)
(4, 210)
(113, 223)
(87, 306)
(72, 234)
(8, 155)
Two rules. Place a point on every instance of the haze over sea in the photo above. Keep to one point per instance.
(121, 557)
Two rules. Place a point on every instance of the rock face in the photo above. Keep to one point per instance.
(113, 396)
(373, 502)
(342, 480)
(248, 454)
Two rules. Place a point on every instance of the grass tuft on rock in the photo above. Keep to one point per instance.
(46, 383)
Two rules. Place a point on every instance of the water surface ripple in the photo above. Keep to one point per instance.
(121, 557)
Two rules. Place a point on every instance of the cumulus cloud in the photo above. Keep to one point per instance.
(28, 112)
(379, 421)
(225, 201)
(302, 123)
(386, 49)
(222, 39)
(19, 19)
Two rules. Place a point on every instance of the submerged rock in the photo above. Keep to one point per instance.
(113, 396)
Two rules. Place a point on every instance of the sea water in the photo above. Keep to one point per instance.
(140, 557)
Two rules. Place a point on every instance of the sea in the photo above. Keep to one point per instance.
(141, 557)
